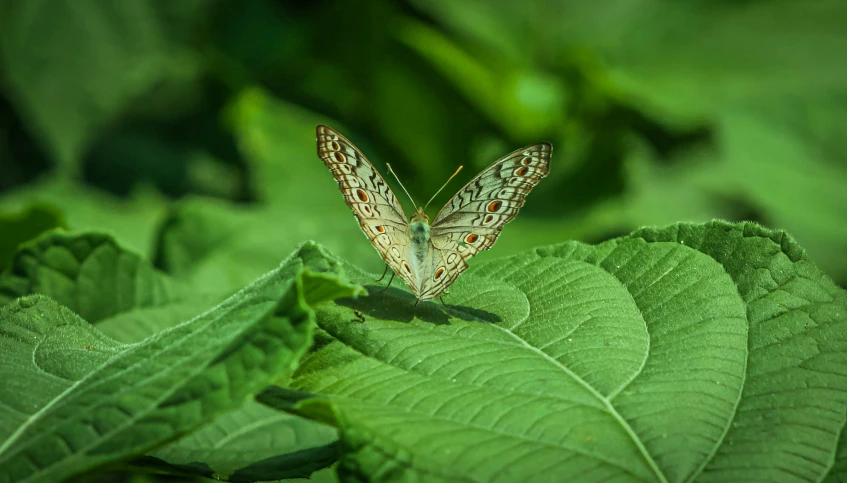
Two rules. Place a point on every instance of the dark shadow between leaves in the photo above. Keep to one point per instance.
(156, 465)
(299, 464)
(399, 305)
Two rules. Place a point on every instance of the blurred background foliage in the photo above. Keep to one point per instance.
(187, 128)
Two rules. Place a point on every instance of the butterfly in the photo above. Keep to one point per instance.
(429, 257)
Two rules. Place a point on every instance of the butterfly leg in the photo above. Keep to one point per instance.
(417, 302)
(383, 273)
(443, 302)
(388, 284)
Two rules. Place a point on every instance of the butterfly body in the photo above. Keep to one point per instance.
(430, 256)
(421, 248)
(419, 230)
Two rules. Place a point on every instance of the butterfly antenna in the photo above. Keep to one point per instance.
(401, 184)
(442, 187)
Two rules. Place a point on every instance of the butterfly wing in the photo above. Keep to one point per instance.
(373, 203)
(473, 219)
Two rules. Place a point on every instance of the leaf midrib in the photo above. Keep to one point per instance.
(575, 449)
(606, 402)
(716, 447)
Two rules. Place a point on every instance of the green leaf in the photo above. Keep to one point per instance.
(655, 55)
(793, 177)
(707, 352)
(763, 51)
(25, 225)
(88, 273)
(70, 67)
(106, 284)
(793, 407)
(211, 244)
(783, 164)
(285, 444)
(253, 443)
(81, 400)
(131, 221)
(839, 470)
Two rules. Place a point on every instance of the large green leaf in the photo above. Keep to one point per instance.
(141, 302)
(693, 352)
(793, 408)
(64, 377)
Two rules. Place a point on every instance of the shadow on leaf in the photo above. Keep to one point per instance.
(399, 305)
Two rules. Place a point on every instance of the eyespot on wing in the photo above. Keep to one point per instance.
(438, 273)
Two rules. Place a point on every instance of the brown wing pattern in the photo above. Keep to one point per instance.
(473, 219)
(373, 203)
